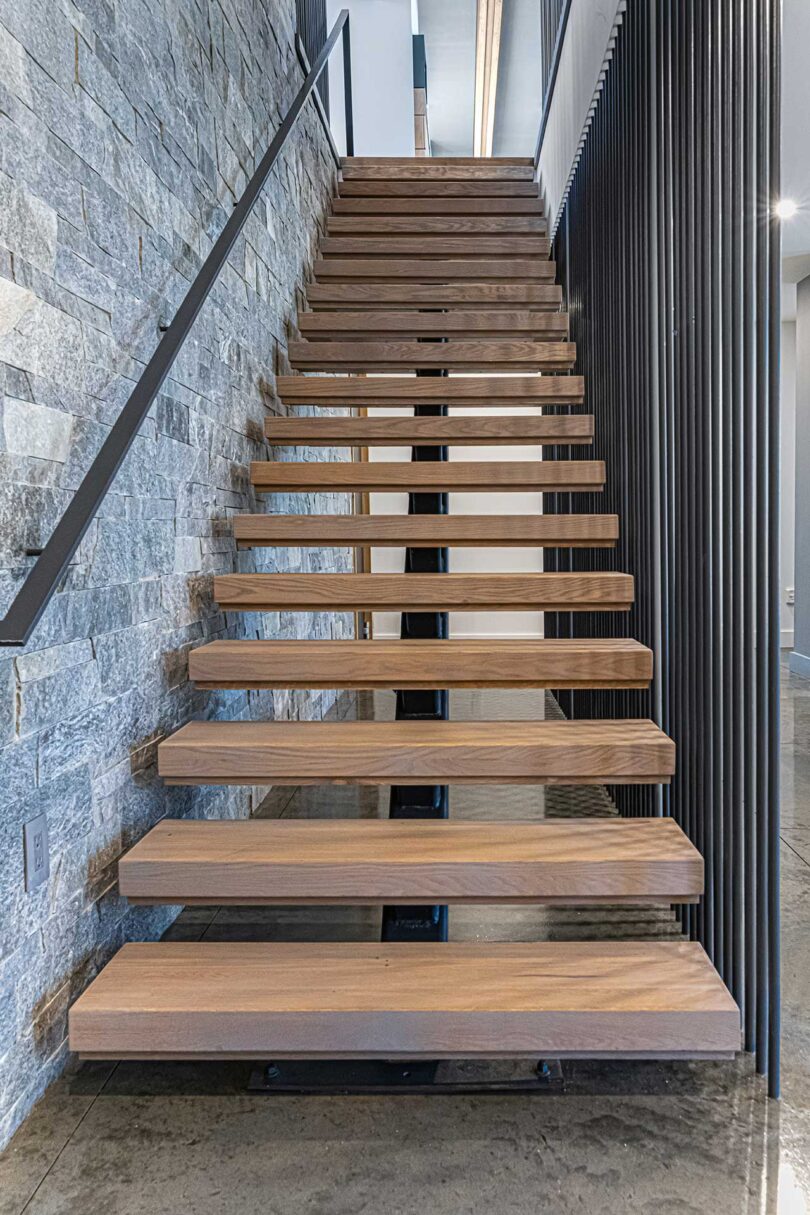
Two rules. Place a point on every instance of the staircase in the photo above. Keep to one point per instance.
(429, 266)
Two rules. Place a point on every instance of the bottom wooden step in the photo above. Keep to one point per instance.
(207, 1000)
(356, 861)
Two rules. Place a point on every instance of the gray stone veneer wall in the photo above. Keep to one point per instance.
(127, 130)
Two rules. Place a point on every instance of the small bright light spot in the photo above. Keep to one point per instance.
(786, 208)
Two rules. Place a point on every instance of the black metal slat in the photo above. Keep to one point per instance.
(310, 19)
(748, 691)
(761, 518)
(772, 741)
(670, 260)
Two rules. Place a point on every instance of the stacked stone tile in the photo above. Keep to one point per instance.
(126, 133)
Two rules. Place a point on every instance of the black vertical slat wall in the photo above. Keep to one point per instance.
(550, 16)
(310, 20)
(668, 252)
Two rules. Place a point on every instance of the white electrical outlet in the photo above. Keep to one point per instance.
(37, 860)
(790, 595)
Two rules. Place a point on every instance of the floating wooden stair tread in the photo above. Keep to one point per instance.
(417, 753)
(463, 203)
(372, 391)
(477, 663)
(403, 294)
(428, 531)
(445, 246)
(442, 169)
(427, 225)
(463, 323)
(461, 355)
(407, 432)
(548, 476)
(425, 270)
(212, 999)
(278, 861)
(425, 592)
(356, 187)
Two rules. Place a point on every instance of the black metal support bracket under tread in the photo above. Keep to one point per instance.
(428, 923)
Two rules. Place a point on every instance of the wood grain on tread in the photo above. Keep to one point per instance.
(428, 531)
(469, 390)
(368, 325)
(365, 188)
(267, 861)
(572, 428)
(507, 476)
(381, 476)
(427, 225)
(424, 592)
(477, 296)
(438, 205)
(457, 663)
(417, 752)
(445, 246)
(496, 355)
(434, 169)
(423, 270)
(435, 160)
(271, 1000)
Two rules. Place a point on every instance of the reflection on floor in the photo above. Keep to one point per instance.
(674, 1138)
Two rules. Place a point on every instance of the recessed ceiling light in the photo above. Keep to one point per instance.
(786, 208)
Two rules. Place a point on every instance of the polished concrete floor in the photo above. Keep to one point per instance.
(663, 1139)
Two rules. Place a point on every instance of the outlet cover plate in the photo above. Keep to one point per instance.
(37, 857)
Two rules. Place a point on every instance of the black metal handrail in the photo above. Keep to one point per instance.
(35, 593)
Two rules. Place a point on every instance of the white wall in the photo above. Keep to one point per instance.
(382, 77)
(591, 25)
(795, 108)
(788, 457)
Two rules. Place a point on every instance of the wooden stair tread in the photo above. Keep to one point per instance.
(417, 752)
(547, 476)
(426, 245)
(371, 391)
(272, 861)
(367, 325)
(432, 168)
(427, 531)
(403, 294)
(456, 225)
(456, 663)
(359, 187)
(443, 269)
(396, 432)
(270, 1000)
(460, 355)
(461, 203)
(436, 160)
(425, 592)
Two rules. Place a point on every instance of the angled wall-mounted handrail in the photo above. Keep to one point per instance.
(35, 593)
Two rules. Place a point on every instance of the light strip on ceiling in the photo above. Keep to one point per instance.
(487, 51)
